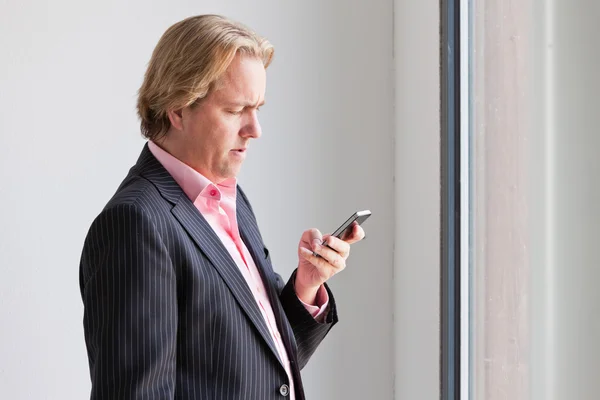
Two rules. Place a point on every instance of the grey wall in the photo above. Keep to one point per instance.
(417, 228)
(68, 80)
(565, 201)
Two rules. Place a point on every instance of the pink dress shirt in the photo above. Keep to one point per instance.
(217, 204)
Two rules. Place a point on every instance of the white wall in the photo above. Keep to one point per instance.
(68, 81)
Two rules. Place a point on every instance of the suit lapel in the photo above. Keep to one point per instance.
(252, 238)
(206, 239)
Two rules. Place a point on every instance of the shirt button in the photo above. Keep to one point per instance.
(278, 335)
(213, 192)
(284, 390)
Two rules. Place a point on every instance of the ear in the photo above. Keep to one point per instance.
(176, 118)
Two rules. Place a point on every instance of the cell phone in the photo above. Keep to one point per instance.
(345, 230)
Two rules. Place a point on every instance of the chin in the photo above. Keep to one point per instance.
(229, 173)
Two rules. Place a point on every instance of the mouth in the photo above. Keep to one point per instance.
(239, 154)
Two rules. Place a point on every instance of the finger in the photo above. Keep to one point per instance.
(312, 237)
(334, 258)
(358, 234)
(340, 246)
(326, 270)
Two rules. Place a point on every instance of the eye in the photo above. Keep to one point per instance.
(235, 112)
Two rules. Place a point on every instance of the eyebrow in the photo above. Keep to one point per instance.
(246, 104)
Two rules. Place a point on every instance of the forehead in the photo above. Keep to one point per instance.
(244, 80)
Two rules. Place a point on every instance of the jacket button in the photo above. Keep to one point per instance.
(284, 390)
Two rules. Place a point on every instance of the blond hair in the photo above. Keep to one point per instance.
(187, 63)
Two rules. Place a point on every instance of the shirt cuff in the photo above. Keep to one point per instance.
(318, 311)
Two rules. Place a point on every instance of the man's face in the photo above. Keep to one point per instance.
(216, 131)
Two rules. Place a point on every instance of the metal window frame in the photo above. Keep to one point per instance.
(455, 284)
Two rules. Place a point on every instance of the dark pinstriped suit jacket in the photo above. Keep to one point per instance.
(168, 315)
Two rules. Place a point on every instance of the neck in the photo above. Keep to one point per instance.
(182, 153)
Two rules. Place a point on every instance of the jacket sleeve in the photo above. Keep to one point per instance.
(307, 331)
(128, 288)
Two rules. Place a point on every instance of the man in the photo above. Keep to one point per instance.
(181, 300)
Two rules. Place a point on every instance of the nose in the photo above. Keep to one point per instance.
(251, 128)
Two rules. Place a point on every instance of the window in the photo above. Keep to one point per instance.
(485, 138)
